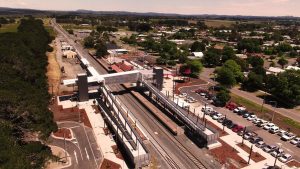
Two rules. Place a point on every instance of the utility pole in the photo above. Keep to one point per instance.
(243, 136)
(65, 146)
(250, 153)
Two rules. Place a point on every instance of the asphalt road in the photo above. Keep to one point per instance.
(83, 149)
(268, 137)
(167, 148)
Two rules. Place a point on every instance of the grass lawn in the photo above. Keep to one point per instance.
(73, 26)
(9, 28)
(219, 23)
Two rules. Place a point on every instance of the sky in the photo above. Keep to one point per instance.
(221, 7)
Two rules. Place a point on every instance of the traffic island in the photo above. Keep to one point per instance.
(256, 157)
(63, 133)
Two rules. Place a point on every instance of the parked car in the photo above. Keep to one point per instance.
(256, 139)
(217, 116)
(281, 132)
(220, 120)
(249, 135)
(298, 145)
(206, 108)
(274, 130)
(246, 115)
(255, 121)
(182, 95)
(242, 112)
(226, 121)
(231, 105)
(231, 125)
(287, 137)
(260, 144)
(213, 113)
(262, 123)
(269, 148)
(285, 158)
(295, 141)
(252, 117)
(237, 128)
(236, 110)
(240, 133)
(277, 153)
(268, 126)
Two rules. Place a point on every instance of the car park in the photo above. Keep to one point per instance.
(220, 120)
(252, 117)
(206, 108)
(213, 113)
(242, 112)
(246, 115)
(226, 121)
(255, 121)
(268, 126)
(295, 141)
(182, 95)
(298, 145)
(274, 129)
(240, 133)
(269, 148)
(277, 152)
(287, 137)
(230, 126)
(260, 144)
(249, 135)
(285, 158)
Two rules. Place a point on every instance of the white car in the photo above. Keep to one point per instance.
(239, 109)
(257, 120)
(281, 132)
(183, 95)
(268, 126)
(210, 109)
(285, 158)
(217, 116)
(262, 123)
(274, 129)
(252, 117)
(288, 136)
(295, 141)
(277, 153)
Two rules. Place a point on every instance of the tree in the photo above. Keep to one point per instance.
(194, 67)
(226, 77)
(101, 50)
(88, 42)
(282, 61)
(212, 57)
(198, 47)
(253, 82)
(250, 45)
(255, 61)
(222, 98)
(70, 31)
(235, 68)
(228, 53)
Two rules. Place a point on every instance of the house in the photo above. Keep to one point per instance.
(198, 54)
(274, 70)
(242, 56)
(69, 54)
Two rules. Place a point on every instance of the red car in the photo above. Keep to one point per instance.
(231, 105)
(238, 128)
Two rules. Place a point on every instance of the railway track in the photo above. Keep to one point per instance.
(174, 140)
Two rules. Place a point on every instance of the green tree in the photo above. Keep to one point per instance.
(235, 68)
(282, 61)
(253, 82)
(226, 77)
(212, 57)
(101, 50)
(255, 61)
(88, 42)
(222, 98)
(195, 67)
(228, 53)
(198, 47)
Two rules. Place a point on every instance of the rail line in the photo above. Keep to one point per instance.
(188, 154)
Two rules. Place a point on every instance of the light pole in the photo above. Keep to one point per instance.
(276, 157)
(275, 105)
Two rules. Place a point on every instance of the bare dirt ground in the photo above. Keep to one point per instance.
(189, 82)
(53, 71)
(293, 163)
(107, 164)
(254, 156)
(228, 156)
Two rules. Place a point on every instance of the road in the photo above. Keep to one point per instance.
(166, 146)
(268, 137)
(83, 149)
(290, 113)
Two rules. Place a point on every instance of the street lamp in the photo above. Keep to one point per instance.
(277, 154)
(275, 105)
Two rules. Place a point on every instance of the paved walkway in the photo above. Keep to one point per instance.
(232, 139)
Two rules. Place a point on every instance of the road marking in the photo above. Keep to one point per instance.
(73, 127)
(155, 133)
(87, 155)
(75, 156)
